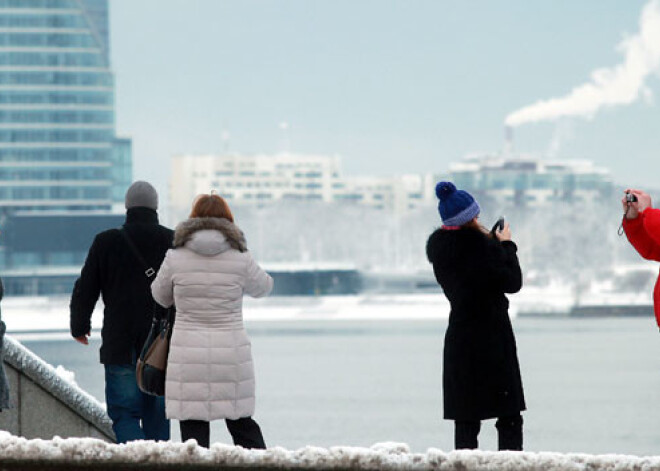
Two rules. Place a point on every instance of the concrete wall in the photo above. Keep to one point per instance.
(44, 405)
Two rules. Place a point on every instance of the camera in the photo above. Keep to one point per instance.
(630, 198)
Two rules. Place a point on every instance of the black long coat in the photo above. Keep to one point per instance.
(112, 271)
(481, 374)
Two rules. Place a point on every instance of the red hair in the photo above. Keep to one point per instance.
(211, 206)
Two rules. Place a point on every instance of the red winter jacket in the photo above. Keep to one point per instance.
(643, 233)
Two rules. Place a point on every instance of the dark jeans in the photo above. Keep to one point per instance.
(135, 415)
(509, 433)
(245, 432)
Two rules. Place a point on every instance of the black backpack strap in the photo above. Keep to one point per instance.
(148, 271)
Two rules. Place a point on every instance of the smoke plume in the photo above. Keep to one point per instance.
(622, 84)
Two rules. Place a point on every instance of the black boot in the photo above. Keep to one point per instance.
(510, 433)
(246, 433)
(466, 434)
(200, 430)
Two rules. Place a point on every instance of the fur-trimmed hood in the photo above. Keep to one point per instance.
(209, 236)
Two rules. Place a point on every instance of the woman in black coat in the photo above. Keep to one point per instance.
(481, 375)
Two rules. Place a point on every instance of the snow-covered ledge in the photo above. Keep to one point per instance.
(45, 403)
(88, 454)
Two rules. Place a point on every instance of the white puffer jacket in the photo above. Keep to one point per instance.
(210, 374)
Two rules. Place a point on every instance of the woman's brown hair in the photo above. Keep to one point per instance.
(474, 224)
(211, 206)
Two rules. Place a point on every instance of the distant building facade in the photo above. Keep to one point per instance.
(56, 106)
(59, 155)
(398, 194)
(263, 178)
(529, 181)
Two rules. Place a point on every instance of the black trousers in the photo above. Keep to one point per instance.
(245, 432)
(509, 433)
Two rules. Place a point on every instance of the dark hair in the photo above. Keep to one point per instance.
(474, 224)
(211, 206)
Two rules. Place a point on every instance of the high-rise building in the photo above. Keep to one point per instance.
(56, 106)
(61, 165)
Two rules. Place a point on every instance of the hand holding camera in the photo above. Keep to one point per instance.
(635, 202)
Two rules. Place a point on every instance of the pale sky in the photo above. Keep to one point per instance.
(391, 86)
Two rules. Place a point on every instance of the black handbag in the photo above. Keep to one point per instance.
(151, 364)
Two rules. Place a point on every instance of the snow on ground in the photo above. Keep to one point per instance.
(385, 456)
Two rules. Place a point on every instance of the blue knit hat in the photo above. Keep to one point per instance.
(456, 207)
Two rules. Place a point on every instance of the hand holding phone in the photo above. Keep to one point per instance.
(500, 230)
(498, 226)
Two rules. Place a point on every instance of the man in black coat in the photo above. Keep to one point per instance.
(113, 271)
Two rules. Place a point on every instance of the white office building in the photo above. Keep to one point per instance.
(260, 179)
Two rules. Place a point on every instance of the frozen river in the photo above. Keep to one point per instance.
(592, 385)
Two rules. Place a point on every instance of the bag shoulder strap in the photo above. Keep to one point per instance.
(148, 271)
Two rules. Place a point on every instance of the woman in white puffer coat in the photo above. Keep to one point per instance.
(210, 374)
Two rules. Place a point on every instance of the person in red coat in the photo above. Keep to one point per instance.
(641, 222)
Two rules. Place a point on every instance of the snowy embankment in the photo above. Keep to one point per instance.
(38, 315)
(87, 453)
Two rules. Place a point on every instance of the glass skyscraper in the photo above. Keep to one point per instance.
(57, 107)
(61, 165)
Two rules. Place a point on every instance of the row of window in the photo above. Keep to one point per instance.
(349, 197)
(308, 186)
(38, 116)
(42, 21)
(29, 259)
(60, 97)
(308, 174)
(35, 286)
(311, 185)
(564, 196)
(533, 182)
(256, 184)
(90, 206)
(54, 155)
(52, 59)
(59, 135)
(53, 175)
(92, 79)
(356, 197)
(55, 193)
(229, 173)
(298, 165)
(269, 196)
(47, 40)
(39, 4)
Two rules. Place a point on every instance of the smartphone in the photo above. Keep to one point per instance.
(499, 225)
